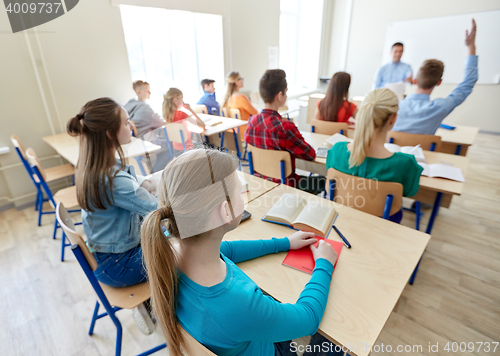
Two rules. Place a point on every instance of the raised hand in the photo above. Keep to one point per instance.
(470, 38)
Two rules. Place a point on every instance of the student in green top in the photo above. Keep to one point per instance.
(367, 157)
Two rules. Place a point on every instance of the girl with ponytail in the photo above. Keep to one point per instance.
(234, 99)
(175, 110)
(195, 283)
(367, 157)
(111, 196)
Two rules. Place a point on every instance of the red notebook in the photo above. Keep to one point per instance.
(303, 259)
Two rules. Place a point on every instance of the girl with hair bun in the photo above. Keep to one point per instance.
(195, 283)
(113, 199)
(367, 157)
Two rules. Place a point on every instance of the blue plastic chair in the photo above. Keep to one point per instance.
(112, 299)
(65, 195)
(270, 163)
(384, 198)
(51, 174)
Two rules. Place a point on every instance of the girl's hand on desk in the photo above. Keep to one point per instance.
(301, 239)
(324, 250)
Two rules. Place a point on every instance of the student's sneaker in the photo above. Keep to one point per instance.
(143, 320)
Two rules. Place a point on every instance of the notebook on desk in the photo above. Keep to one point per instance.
(303, 259)
(437, 170)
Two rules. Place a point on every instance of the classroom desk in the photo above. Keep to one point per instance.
(455, 141)
(256, 187)
(67, 147)
(432, 190)
(367, 282)
(225, 125)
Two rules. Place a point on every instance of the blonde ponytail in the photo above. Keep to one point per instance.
(231, 79)
(159, 257)
(373, 114)
(169, 107)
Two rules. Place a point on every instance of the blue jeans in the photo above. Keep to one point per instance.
(323, 348)
(121, 269)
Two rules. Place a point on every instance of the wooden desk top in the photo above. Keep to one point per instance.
(68, 147)
(369, 277)
(227, 124)
(256, 186)
(435, 184)
(462, 135)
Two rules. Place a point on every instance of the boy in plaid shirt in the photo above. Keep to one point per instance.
(269, 131)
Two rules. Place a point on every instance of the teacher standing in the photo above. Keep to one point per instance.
(395, 71)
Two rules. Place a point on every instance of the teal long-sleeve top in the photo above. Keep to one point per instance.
(234, 317)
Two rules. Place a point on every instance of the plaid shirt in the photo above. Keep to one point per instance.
(269, 131)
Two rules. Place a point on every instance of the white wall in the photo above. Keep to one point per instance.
(365, 48)
(82, 55)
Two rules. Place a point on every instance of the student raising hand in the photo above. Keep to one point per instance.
(470, 38)
(301, 239)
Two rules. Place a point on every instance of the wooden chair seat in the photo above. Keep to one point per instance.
(67, 197)
(367, 195)
(174, 132)
(200, 109)
(55, 173)
(127, 297)
(267, 162)
(329, 127)
(408, 139)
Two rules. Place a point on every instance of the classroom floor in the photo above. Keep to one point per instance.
(46, 305)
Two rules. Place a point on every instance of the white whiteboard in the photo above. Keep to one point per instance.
(443, 38)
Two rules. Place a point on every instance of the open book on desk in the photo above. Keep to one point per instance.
(437, 170)
(299, 214)
(411, 150)
(331, 141)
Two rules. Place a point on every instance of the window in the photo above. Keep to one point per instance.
(300, 38)
(171, 48)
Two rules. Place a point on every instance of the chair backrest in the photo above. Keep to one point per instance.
(24, 159)
(329, 127)
(193, 347)
(35, 162)
(68, 226)
(134, 128)
(267, 162)
(364, 194)
(312, 105)
(200, 109)
(255, 97)
(174, 130)
(16, 141)
(408, 139)
(233, 113)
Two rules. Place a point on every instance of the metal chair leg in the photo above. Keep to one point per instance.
(94, 318)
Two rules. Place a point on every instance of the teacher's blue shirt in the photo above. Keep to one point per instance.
(418, 114)
(391, 73)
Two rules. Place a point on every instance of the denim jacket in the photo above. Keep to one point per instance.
(117, 229)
